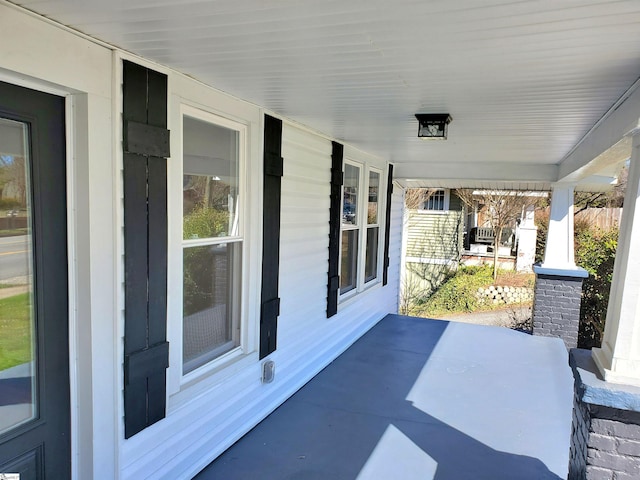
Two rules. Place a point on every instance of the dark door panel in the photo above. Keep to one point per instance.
(34, 345)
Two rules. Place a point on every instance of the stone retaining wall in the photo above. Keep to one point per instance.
(504, 295)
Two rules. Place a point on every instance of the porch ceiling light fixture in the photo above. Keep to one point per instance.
(433, 126)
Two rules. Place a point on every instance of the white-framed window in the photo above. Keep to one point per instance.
(350, 229)
(213, 153)
(373, 227)
(438, 200)
(360, 227)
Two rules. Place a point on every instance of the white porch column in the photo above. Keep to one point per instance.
(619, 357)
(559, 252)
(558, 291)
(527, 241)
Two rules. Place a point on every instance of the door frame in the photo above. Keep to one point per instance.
(84, 411)
(42, 256)
(44, 87)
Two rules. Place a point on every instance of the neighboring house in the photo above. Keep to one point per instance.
(196, 257)
(434, 235)
(444, 232)
(517, 245)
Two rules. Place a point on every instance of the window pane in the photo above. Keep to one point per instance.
(210, 309)
(349, 262)
(374, 188)
(210, 182)
(350, 195)
(371, 260)
(436, 201)
(18, 325)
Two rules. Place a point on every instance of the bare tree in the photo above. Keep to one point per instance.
(415, 197)
(613, 198)
(12, 174)
(616, 196)
(502, 207)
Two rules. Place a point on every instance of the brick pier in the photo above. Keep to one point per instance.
(556, 305)
(605, 439)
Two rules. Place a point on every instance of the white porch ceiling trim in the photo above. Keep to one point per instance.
(586, 158)
(493, 172)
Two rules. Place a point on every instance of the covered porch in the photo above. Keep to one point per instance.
(318, 102)
(420, 399)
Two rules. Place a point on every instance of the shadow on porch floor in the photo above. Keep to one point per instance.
(420, 399)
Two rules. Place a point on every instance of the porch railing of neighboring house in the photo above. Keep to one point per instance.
(485, 235)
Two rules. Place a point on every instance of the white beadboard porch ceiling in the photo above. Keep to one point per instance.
(523, 80)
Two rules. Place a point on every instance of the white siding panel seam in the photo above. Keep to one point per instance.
(304, 180)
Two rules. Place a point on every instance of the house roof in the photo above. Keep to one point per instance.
(524, 81)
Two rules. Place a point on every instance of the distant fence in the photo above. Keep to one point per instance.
(601, 217)
(9, 223)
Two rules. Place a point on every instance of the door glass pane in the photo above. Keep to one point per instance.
(210, 322)
(371, 261)
(349, 261)
(350, 195)
(17, 325)
(210, 181)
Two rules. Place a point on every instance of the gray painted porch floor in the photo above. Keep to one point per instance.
(420, 399)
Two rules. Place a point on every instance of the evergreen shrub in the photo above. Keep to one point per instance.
(595, 251)
(458, 293)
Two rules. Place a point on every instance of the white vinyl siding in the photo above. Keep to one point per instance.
(304, 231)
(395, 240)
(305, 336)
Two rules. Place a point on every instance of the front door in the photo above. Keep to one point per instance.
(34, 334)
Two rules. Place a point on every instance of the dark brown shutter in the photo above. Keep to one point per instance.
(273, 169)
(146, 146)
(387, 226)
(333, 280)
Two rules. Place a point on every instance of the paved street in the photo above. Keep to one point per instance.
(510, 316)
(13, 256)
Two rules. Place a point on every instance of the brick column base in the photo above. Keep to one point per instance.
(605, 438)
(556, 303)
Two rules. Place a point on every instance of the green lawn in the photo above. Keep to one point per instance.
(13, 232)
(15, 330)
